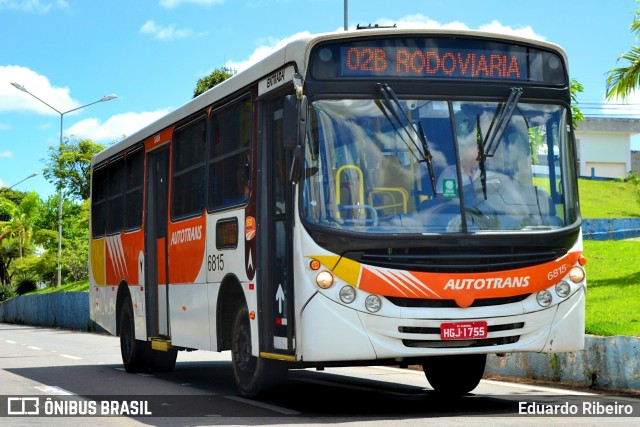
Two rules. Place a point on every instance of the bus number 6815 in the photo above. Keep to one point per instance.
(215, 262)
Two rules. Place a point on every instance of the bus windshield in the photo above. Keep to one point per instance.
(389, 165)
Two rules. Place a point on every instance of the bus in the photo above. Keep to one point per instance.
(380, 196)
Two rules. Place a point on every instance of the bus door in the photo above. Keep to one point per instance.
(157, 288)
(276, 218)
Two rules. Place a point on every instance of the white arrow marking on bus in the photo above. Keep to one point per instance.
(280, 298)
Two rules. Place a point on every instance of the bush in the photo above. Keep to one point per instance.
(25, 286)
(6, 292)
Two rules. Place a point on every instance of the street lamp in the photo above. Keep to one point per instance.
(23, 180)
(346, 15)
(62, 113)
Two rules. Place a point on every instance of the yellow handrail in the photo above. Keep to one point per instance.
(404, 194)
(360, 184)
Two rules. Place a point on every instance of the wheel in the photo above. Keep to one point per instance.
(454, 375)
(254, 376)
(136, 354)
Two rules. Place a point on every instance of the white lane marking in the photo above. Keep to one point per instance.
(529, 387)
(34, 348)
(71, 357)
(54, 390)
(538, 388)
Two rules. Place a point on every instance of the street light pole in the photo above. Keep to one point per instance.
(62, 113)
(23, 180)
(346, 15)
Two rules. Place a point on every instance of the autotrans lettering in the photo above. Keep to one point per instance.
(443, 63)
(489, 283)
(186, 235)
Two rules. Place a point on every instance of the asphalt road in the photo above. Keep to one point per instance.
(65, 366)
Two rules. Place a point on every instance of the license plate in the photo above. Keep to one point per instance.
(463, 330)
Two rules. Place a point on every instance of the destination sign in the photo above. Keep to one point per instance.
(437, 58)
(461, 63)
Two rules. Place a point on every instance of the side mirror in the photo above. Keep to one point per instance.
(294, 121)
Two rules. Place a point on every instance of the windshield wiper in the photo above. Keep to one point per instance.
(487, 147)
(399, 120)
(481, 158)
(500, 122)
(427, 157)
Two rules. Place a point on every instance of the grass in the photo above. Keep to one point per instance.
(80, 286)
(608, 199)
(613, 287)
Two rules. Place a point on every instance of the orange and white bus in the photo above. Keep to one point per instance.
(378, 196)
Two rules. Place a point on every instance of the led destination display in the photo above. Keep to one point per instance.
(437, 58)
(461, 63)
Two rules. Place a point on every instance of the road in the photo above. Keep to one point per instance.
(62, 365)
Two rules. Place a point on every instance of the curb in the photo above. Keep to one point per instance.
(606, 362)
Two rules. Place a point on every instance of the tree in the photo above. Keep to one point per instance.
(624, 80)
(16, 232)
(215, 78)
(70, 164)
(576, 88)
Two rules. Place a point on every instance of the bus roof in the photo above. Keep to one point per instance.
(296, 51)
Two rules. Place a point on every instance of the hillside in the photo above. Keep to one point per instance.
(608, 199)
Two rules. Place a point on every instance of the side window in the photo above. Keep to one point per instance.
(115, 199)
(133, 189)
(188, 169)
(229, 156)
(98, 201)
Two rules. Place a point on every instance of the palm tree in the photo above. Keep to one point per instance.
(21, 220)
(624, 80)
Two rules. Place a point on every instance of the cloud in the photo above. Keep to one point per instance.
(263, 51)
(32, 6)
(7, 154)
(165, 33)
(170, 4)
(12, 99)
(115, 127)
(421, 21)
(629, 107)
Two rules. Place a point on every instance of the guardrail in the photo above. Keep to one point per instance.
(610, 228)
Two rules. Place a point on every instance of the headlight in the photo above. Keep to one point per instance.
(373, 303)
(563, 289)
(544, 298)
(324, 279)
(347, 294)
(576, 274)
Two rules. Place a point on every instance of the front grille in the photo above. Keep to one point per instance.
(484, 342)
(456, 259)
(449, 303)
(492, 328)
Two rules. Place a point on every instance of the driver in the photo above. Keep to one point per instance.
(447, 186)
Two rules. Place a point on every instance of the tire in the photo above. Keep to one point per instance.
(254, 376)
(163, 361)
(136, 354)
(454, 375)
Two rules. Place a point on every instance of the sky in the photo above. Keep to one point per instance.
(151, 53)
